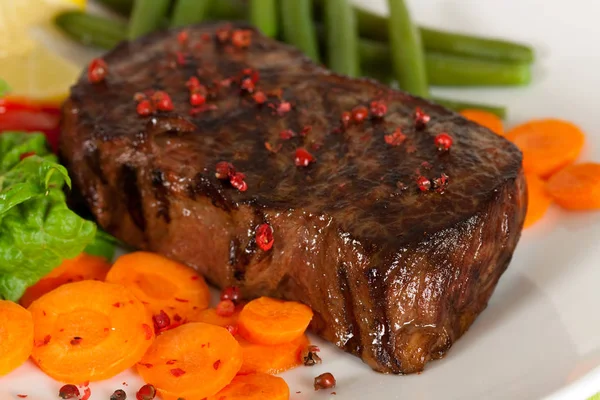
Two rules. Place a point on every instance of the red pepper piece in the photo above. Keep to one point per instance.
(359, 114)
(443, 141)
(238, 182)
(423, 183)
(421, 118)
(144, 108)
(225, 308)
(264, 237)
(259, 97)
(346, 118)
(197, 99)
(97, 70)
(303, 158)
(224, 170)
(378, 109)
(241, 38)
(396, 138)
(231, 293)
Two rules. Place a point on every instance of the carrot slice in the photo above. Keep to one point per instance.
(16, 336)
(576, 187)
(272, 359)
(538, 200)
(254, 387)
(210, 316)
(485, 118)
(192, 361)
(162, 284)
(547, 145)
(89, 331)
(80, 268)
(269, 321)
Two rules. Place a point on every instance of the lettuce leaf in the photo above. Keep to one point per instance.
(37, 229)
(103, 245)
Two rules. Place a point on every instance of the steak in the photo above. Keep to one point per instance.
(396, 245)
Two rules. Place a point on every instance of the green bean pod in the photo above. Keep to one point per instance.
(342, 38)
(91, 30)
(298, 26)
(188, 12)
(445, 70)
(408, 59)
(146, 17)
(471, 46)
(264, 15)
(228, 9)
(122, 7)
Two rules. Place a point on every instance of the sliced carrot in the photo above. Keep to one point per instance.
(254, 387)
(16, 336)
(162, 284)
(576, 187)
(272, 359)
(80, 268)
(210, 316)
(547, 145)
(270, 321)
(485, 118)
(89, 331)
(192, 361)
(538, 200)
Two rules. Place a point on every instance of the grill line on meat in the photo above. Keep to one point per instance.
(394, 275)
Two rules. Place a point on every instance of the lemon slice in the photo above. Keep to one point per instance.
(26, 65)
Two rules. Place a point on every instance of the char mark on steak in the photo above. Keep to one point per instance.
(394, 274)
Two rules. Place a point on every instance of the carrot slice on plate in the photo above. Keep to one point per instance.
(89, 331)
(254, 387)
(192, 361)
(162, 284)
(210, 316)
(538, 200)
(272, 359)
(80, 268)
(16, 336)
(547, 145)
(485, 118)
(270, 321)
(576, 187)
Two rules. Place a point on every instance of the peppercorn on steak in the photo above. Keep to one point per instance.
(392, 217)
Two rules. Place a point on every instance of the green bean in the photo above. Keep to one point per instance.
(92, 29)
(228, 9)
(445, 70)
(408, 58)
(187, 12)
(146, 17)
(471, 46)
(122, 7)
(458, 105)
(263, 15)
(298, 26)
(342, 38)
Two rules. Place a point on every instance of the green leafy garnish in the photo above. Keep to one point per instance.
(37, 229)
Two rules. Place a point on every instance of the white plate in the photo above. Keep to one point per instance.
(540, 336)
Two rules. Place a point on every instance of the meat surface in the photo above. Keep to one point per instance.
(394, 274)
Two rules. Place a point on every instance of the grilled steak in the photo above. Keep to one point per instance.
(395, 269)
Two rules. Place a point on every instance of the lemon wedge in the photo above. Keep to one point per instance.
(29, 68)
